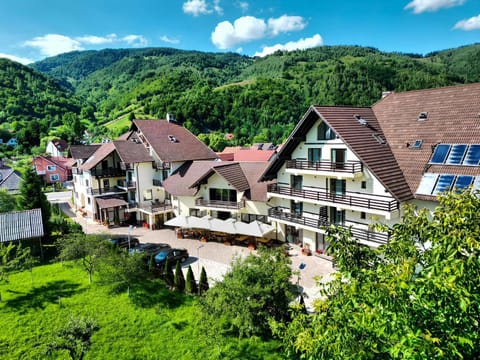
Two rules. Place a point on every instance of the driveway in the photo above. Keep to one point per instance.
(216, 257)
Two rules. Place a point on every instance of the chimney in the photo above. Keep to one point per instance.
(170, 118)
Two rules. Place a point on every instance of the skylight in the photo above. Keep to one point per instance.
(418, 144)
(440, 154)
(462, 182)
(444, 183)
(456, 154)
(427, 183)
(473, 156)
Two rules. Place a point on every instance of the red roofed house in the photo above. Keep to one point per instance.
(54, 169)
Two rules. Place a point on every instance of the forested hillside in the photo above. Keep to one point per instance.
(256, 99)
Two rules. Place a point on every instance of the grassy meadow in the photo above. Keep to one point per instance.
(150, 323)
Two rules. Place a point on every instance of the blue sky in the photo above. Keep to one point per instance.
(31, 30)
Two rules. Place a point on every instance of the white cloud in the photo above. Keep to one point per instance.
(54, 44)
(302, 44)
(168, 40)
(286, 23)
(469, 24)
(420, 6)
(200, 7)
(18, 59)
(244, 29)
(135, 40)
(248, 28)
(97, 40)
(243, 5)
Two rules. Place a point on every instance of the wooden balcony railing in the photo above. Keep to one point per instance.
(365, 201)
(314, 221)
(220, 204)
(351, 167)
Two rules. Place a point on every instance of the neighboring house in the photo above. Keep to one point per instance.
(356, 166)
(224, 190)
(122, 180)
(257, 152)
(54, 169)
(57, 148)
(9, 179)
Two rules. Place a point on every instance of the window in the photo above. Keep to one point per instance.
(296, 207)
(223, 195)
(337, 216)
(364, 185)
(418, 144)
(462, 182)
(363, 216)
(456, 154)
(51, 167)
(473, 156)
(324, 132)
(314, 154)
(297, 182)
(339, 157)
(54, 177)
(440, 154)
(338, 187)
(427, 184)
(89, 201)
(444, 183)
(106, 184)
(86, 182)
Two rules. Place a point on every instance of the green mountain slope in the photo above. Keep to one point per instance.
(257, 99)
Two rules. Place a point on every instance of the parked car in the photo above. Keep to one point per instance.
(173, 255)
(122, 242)
(149, 249)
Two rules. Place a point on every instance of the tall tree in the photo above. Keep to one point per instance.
(418, 299)
(191, 284)
(32, 197)
(7, 201)
(179, 278)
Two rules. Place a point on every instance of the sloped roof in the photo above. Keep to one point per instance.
(60, 144)
(82, 152)
(101, 153)
(107, 203)
(61, 162)
(20, 225)
(253, 155)
(359, 138)
(172, 142)
(453, 117)
(9, 179)
(242, 176)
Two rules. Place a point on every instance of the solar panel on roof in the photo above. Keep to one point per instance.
(456, 154)
(473, 155)
(444, 183)
(463, 181)
(427, 184)
(440, 154)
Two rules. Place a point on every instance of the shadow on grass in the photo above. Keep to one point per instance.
(150, 293)
(39, 297)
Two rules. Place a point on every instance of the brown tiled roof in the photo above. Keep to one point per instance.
(102, 152)
(107, 203)
(253, 155)
(131, 152)
(453, 117)
(242, 176)
(377, 157)
(362, 140)
(172, 142)
(64, 163)
(82, 152)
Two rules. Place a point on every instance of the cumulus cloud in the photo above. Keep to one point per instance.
(302, 44)
(243, 5)
(54, 44)
(286, 23)
(200, 7)
(18, 59)
(469, 24)
(420, 6)
(168, 40)
(248, 28)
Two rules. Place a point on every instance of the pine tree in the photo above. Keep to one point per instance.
(179, 279)
(168, 273)
(203, 282)
(32, 197)
(191, 285)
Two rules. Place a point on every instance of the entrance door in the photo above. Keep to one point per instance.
(338, 187)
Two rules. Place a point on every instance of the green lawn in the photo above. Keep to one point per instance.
(153, 323)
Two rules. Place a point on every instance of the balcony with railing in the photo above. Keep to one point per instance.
(109, 172)
(362, 202)
(316, 223)
(220, 204)
(128, 185)
(104, 191)
(345, 169)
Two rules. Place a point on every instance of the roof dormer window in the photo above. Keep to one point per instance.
(423, 116)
